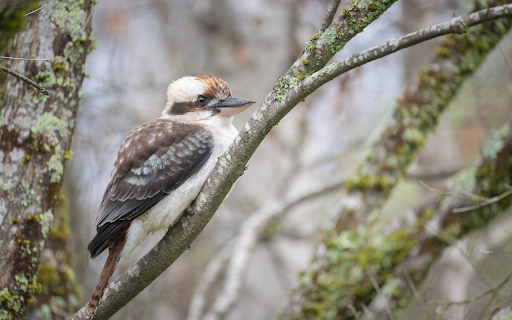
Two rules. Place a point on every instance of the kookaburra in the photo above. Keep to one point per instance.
(161, 167)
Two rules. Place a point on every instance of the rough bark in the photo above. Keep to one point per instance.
(35, 133)
(325, 290)
(59, 292)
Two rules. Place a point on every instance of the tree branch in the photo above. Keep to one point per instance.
(290, 90)
(27, 80)
(210, 274)
(457, 25)
(441, 225)
(329, 16)
(409, 243)
(248, 237)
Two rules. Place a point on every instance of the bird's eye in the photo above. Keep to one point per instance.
(201, 100)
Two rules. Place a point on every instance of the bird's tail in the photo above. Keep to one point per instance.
(115, 248)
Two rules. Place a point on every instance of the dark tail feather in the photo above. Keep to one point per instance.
(115, 248)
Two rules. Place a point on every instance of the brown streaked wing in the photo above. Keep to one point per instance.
(153, 160)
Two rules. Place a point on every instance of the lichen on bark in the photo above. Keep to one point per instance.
(489, 177)
(35, 137)
(322, 46)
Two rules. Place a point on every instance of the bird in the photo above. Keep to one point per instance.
(160, 168)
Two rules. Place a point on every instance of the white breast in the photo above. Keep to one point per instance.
(168, 211)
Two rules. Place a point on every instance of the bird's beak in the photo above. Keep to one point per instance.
(232, 106)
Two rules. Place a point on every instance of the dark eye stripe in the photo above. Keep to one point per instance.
(180, 108)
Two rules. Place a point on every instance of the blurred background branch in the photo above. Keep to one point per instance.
(417, 113)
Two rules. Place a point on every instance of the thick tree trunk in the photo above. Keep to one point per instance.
(35, 135)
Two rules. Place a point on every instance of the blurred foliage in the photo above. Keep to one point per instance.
(12, 18)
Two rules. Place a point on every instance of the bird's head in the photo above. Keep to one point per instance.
(199, 97)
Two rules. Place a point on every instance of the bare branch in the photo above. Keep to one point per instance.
(11, 58)
(34, 11)
(211, 273)
(433, 230)
(494, 252)
(329, 16)
(482, 201)
(247, 239)
(27, 80)
(381, 296)
(442, 306)
(455, 25)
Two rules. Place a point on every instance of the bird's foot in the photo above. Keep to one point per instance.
(189, 210)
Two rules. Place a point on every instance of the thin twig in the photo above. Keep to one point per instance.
(443, 305)
(483, 201)
(414, 290)
(381, 295)
(445, 193)
(355, 313)
(27, 80)
(247, 239)
(210, 275)
(430, 280)
(494, 293)
(329, 16)
(367, 311)
(38, 9)
(436, 173)
(494, 252)
(505, 58)
(11, 58)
